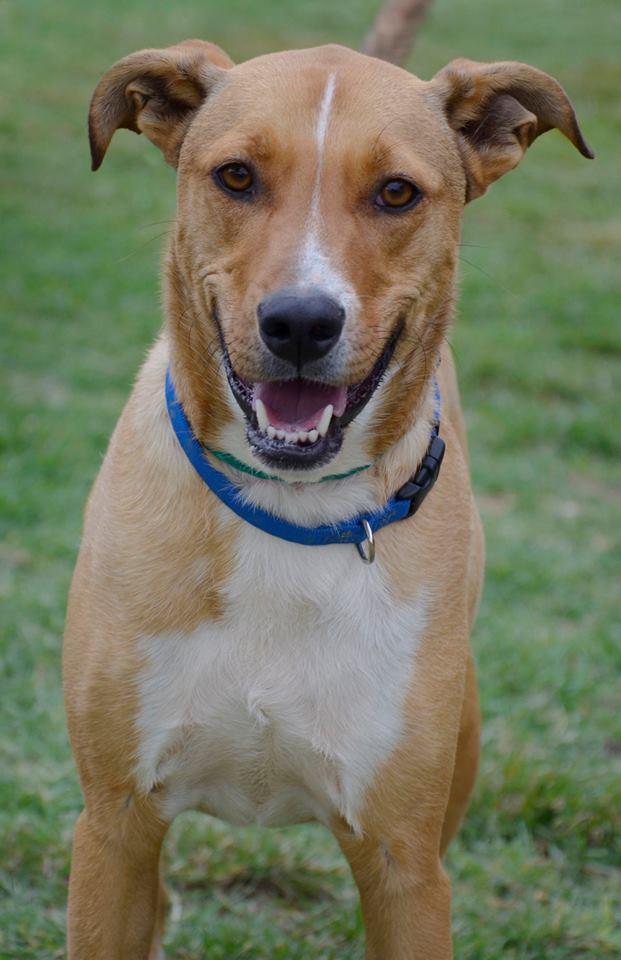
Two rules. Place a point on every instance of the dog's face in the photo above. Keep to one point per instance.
(319, 203)
(320, 230)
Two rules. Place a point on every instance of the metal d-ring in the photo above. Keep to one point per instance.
(368, 555)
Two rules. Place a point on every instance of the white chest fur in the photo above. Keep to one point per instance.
(283, 710)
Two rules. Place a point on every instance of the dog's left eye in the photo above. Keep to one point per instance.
(398, 194)
(235, 177)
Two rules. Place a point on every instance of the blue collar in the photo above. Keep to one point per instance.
(358, 530)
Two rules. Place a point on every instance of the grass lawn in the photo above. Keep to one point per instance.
(537, 869)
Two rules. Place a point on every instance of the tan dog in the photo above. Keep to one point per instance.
(309, 285)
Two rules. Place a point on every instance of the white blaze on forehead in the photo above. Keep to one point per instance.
(315, 266)
(323, 119)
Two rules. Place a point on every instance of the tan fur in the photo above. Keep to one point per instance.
(157, 549)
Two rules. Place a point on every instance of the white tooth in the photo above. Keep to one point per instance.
(312, 436)
(281, 434)
(271, 432)
(324, 423)
(291, 438)
(261, 415)
(302, 436)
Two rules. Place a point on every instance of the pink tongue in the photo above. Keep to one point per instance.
(299, 403)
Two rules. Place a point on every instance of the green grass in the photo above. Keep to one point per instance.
(537, 869)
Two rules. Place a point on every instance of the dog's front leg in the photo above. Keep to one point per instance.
(405, 906)
(116, 901)
(395, 843)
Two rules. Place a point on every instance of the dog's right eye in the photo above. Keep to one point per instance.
(235, 178)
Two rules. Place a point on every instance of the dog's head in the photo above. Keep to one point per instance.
(319, 202)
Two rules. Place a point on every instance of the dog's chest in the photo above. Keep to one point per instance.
(283, 710)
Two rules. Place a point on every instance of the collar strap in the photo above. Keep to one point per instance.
(359, 529)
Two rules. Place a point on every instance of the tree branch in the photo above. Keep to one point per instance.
(392, 35)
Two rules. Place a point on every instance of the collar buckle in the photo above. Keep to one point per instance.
(418, 486)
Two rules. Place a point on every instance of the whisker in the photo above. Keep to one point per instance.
(139, 248)
(485, 273)
(157, 223)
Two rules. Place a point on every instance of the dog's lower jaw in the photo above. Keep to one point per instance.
(340, 489)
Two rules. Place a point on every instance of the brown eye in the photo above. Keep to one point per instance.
(398, 194)
(235, 177)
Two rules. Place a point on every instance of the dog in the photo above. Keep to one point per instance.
(282, 558)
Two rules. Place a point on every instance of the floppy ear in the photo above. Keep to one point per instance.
(497, 110)
(156, 92)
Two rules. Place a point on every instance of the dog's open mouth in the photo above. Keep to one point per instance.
(298, 424)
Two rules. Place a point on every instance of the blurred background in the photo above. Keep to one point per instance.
(537, 868)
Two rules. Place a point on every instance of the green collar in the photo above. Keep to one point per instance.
(232, 461)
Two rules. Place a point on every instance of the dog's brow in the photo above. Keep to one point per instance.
(399, 156)
(256, 145)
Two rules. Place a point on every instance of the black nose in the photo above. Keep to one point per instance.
(300, 325)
